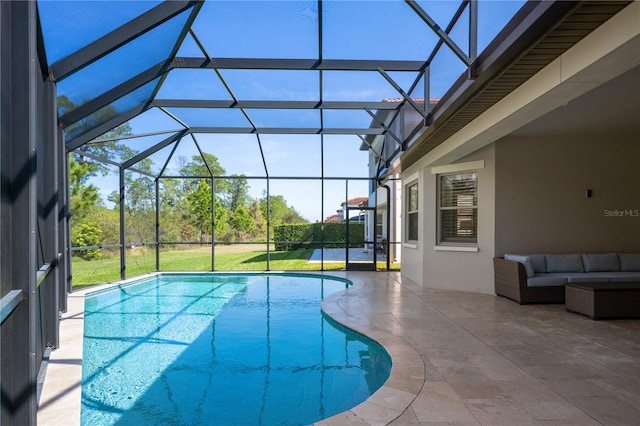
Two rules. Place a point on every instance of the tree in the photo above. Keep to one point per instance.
(140, 205)
(222, 229)
(242, 223)
(238, 193)
(83, 196)
(258, 219)
(279, 212)
(108, 222)
(85, 201)
(200, 208)
(112, 149)
(201, 164)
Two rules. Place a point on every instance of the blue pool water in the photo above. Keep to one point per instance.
(222, 349)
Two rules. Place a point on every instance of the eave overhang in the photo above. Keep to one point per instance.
(540, 33)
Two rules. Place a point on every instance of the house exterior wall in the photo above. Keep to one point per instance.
(532, 191)
(541, 205)
(412, 252)
(532, 199)
(436, 265)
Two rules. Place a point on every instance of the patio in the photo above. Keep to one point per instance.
(338, 255)
(459, 358)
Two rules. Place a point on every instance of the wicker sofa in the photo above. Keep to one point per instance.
(540, 278)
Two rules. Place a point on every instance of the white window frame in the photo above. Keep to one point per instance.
(413, 182)
(460, 244)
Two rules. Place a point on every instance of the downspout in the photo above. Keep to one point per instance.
(385, 186)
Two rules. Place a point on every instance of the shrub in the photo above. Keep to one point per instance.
(86, 235)
(289, 237)
(293, 237)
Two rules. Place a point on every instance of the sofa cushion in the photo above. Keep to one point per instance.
(588, 277)
(525, 260)
(539, 265)
(606, 262)
(629, 262)
(564, 262)
(624, 277)
(547, 280)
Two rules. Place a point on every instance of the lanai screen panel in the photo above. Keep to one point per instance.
(280, 97)
(259, 67)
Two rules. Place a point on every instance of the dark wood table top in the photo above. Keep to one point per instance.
(607, 286)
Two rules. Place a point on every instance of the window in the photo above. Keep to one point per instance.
(458, 208)
(412, 212)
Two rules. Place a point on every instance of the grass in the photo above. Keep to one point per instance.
(228, 258)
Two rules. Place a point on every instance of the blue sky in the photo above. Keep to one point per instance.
(382, 29)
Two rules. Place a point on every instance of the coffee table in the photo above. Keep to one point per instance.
(604, 299)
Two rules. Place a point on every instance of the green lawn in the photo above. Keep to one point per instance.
(238, 258)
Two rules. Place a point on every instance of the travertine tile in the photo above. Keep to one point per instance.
(438, 402)
(458, 359)
(499, 412)
(608, 410)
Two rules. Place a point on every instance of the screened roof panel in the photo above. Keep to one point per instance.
(349, 119)
(258, 29)
(492, 18)
(124, 63)
(283, 118)
(411, 119)
(292, 155)
(441, 11)
(363, 85)
(71, 25)
(138, 144)
(446, 67)
(460, 31)
(184, 152)
(154, 120)
(210, 117)
(374, 30)
(270, 68)
(155, 162)
(273, 85)
(353, 165)
(193, 84)
(189, 48)
(239, 154)
(418, 92)
(108, 112)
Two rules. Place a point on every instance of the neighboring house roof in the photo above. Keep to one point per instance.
(358, 201)
(333, 218)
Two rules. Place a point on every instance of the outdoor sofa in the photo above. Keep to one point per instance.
(541, 278)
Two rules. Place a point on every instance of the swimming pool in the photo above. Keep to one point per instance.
(222, 349)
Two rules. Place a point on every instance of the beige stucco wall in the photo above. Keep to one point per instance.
(412, 251)
(469, 271)
(545, 178)
(541, 204)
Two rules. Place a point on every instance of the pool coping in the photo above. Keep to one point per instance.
(407, 375)
(60, 399)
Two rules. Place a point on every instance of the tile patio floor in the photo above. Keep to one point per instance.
(458, 358)
(339, 255)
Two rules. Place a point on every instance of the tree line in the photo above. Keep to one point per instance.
(189, 210)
